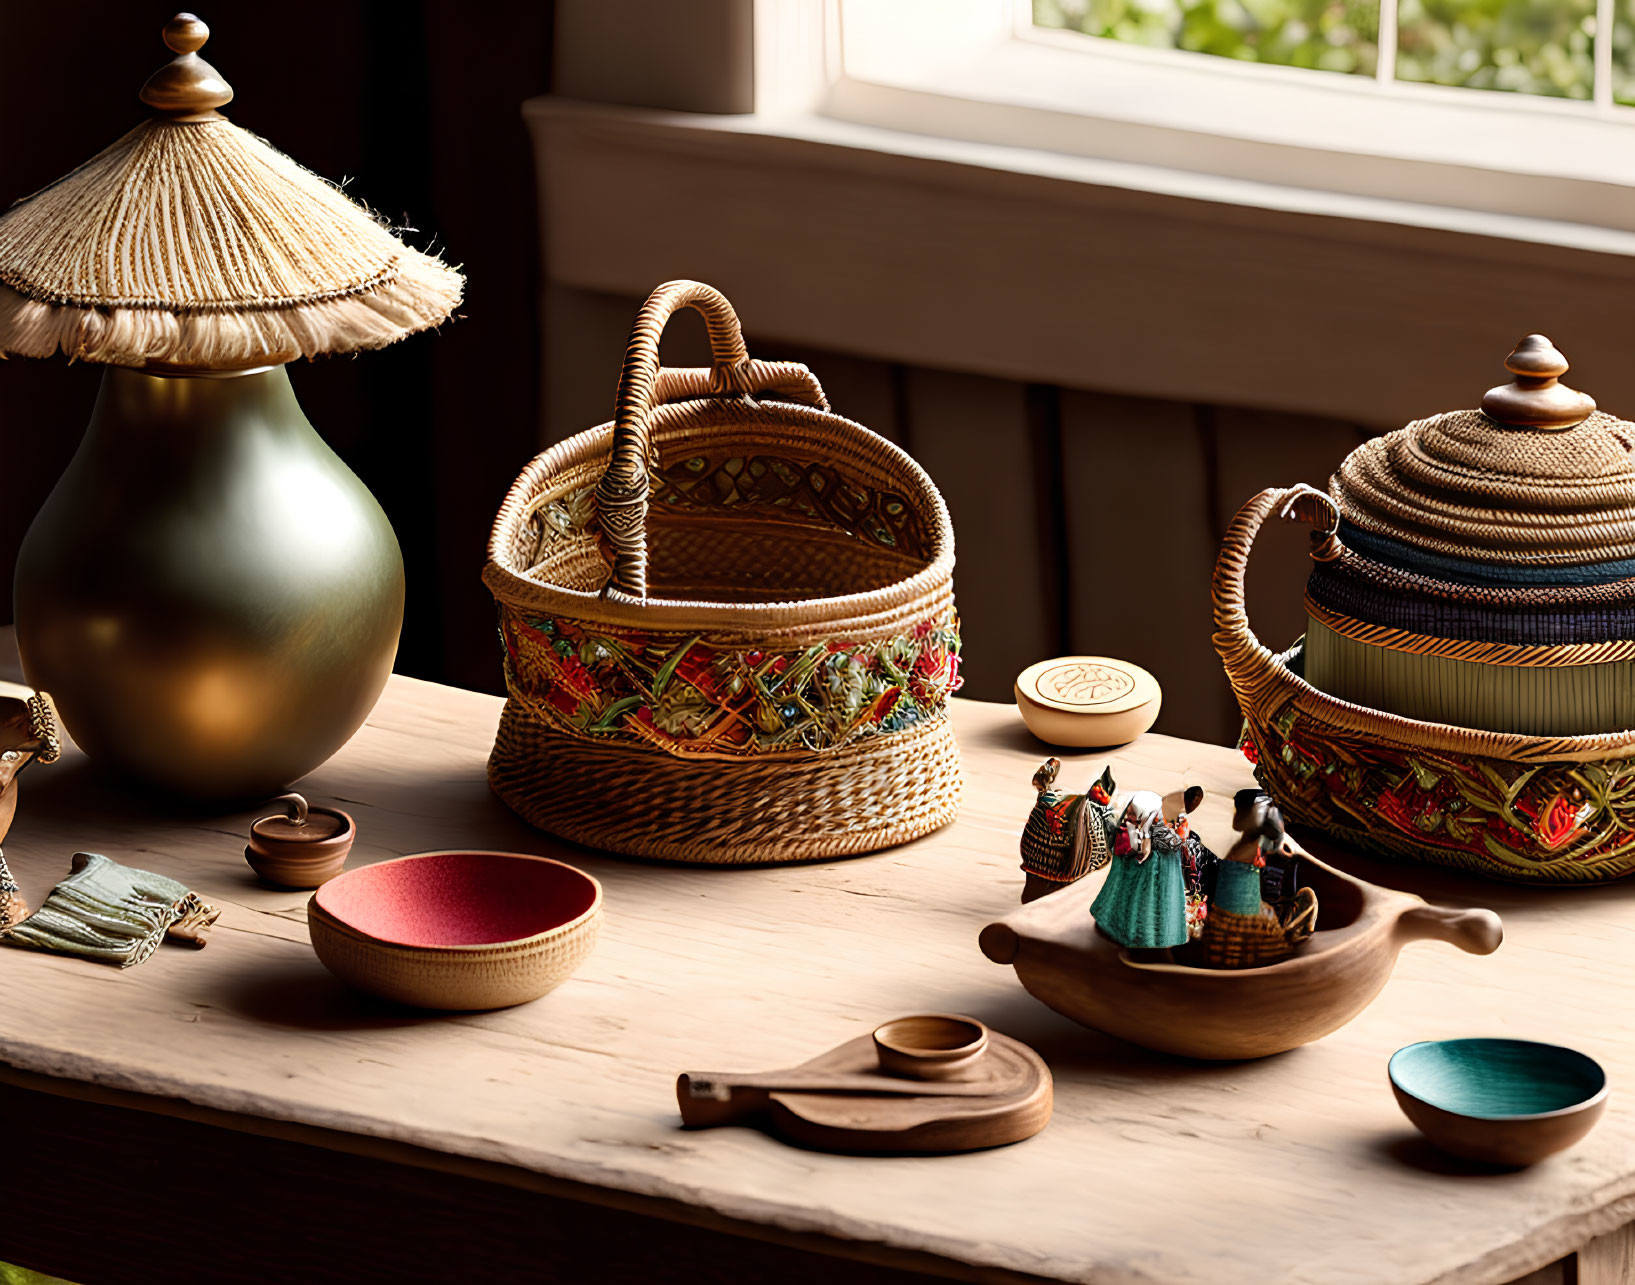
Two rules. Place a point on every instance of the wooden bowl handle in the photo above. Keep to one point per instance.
(1476, 932)
(621, 495)
(1249, 663)
(708, 1101)
(1000, 942)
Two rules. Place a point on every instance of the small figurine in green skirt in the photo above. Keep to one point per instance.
(1143, 904)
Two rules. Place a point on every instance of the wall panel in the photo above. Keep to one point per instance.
(972, 434)
(1086, 521)
(1141, 538)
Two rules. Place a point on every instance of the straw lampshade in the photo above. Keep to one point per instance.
(191, 244)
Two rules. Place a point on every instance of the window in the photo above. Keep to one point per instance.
(1545, 48)
(1326, 35)
(1531, 127)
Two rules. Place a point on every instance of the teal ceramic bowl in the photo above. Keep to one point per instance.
(1503, 1102)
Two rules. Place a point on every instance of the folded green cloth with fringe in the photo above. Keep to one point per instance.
(112, 913)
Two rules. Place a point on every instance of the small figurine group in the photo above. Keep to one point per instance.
(1166, 894)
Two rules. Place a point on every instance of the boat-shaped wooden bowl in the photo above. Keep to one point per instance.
(1064, 960)
(456, 930)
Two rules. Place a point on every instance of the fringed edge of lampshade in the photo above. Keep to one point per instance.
(418, 294)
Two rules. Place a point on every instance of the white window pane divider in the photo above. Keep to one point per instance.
(1604, 18)
(1386, 71)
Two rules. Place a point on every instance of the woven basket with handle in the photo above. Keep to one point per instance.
(1549, 809)
(728, 620)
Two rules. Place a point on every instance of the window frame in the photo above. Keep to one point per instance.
(1600, 101)
(991, 77)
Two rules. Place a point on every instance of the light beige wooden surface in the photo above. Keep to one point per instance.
(1294, 1169)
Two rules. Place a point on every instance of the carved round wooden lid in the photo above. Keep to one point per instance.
(1088, 685)
(1538, 475)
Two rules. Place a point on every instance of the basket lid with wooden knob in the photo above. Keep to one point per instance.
(191, 244)
(1538, 476)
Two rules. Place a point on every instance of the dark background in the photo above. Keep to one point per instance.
(417, 104)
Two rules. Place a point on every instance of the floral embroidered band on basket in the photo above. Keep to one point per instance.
(728, 620)
(1465, 691)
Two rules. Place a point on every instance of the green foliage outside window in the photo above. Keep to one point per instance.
(1330, 35)
(1527, 46)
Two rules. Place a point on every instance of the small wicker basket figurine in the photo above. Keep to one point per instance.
(1066, 835)
(1465, 691)
(1240, 930)
(728, 620)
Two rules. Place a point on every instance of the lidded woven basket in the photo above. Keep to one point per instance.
(1465, 690)
(728, 620)
(1484, 573)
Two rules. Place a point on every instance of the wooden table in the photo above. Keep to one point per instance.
(234, 1114)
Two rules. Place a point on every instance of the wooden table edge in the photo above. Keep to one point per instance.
(432, 1159)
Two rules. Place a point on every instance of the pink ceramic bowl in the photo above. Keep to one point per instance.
(456, 930)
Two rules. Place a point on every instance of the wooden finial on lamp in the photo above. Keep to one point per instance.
(186, 88)
(1536, 398)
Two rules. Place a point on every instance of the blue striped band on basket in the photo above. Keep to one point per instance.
(1402, 554)
(1533, 625)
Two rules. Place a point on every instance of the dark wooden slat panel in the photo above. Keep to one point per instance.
(972, 435)
(1258, 449)
(694, 57)
(1141, 542)
(584, 335)
(857, 387)
(584, 342)
(1561, 1272)
(1609, 1259)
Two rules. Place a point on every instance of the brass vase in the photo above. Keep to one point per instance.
(212, 598)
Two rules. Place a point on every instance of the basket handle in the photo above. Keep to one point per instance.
(1248, 661)
(621, 495)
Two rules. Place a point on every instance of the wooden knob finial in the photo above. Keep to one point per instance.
(185, 34)
(1535, 398)
(187, 87)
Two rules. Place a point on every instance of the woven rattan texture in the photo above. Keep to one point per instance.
(642, 802)
(1464, 485)
(1476, 650)
(1051, 846)
(197, 244)
(1311, 747)
(1240, 941)
(1381, 597)
(729, 620)
(1461, 571)
(477, 977)
(1352, 569)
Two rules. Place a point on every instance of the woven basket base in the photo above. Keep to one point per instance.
(641, 802)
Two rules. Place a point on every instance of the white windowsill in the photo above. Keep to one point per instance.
(875, 146)
(988, 80)
(1042, 265)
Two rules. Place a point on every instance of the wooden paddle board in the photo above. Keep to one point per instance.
(842, 1101)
